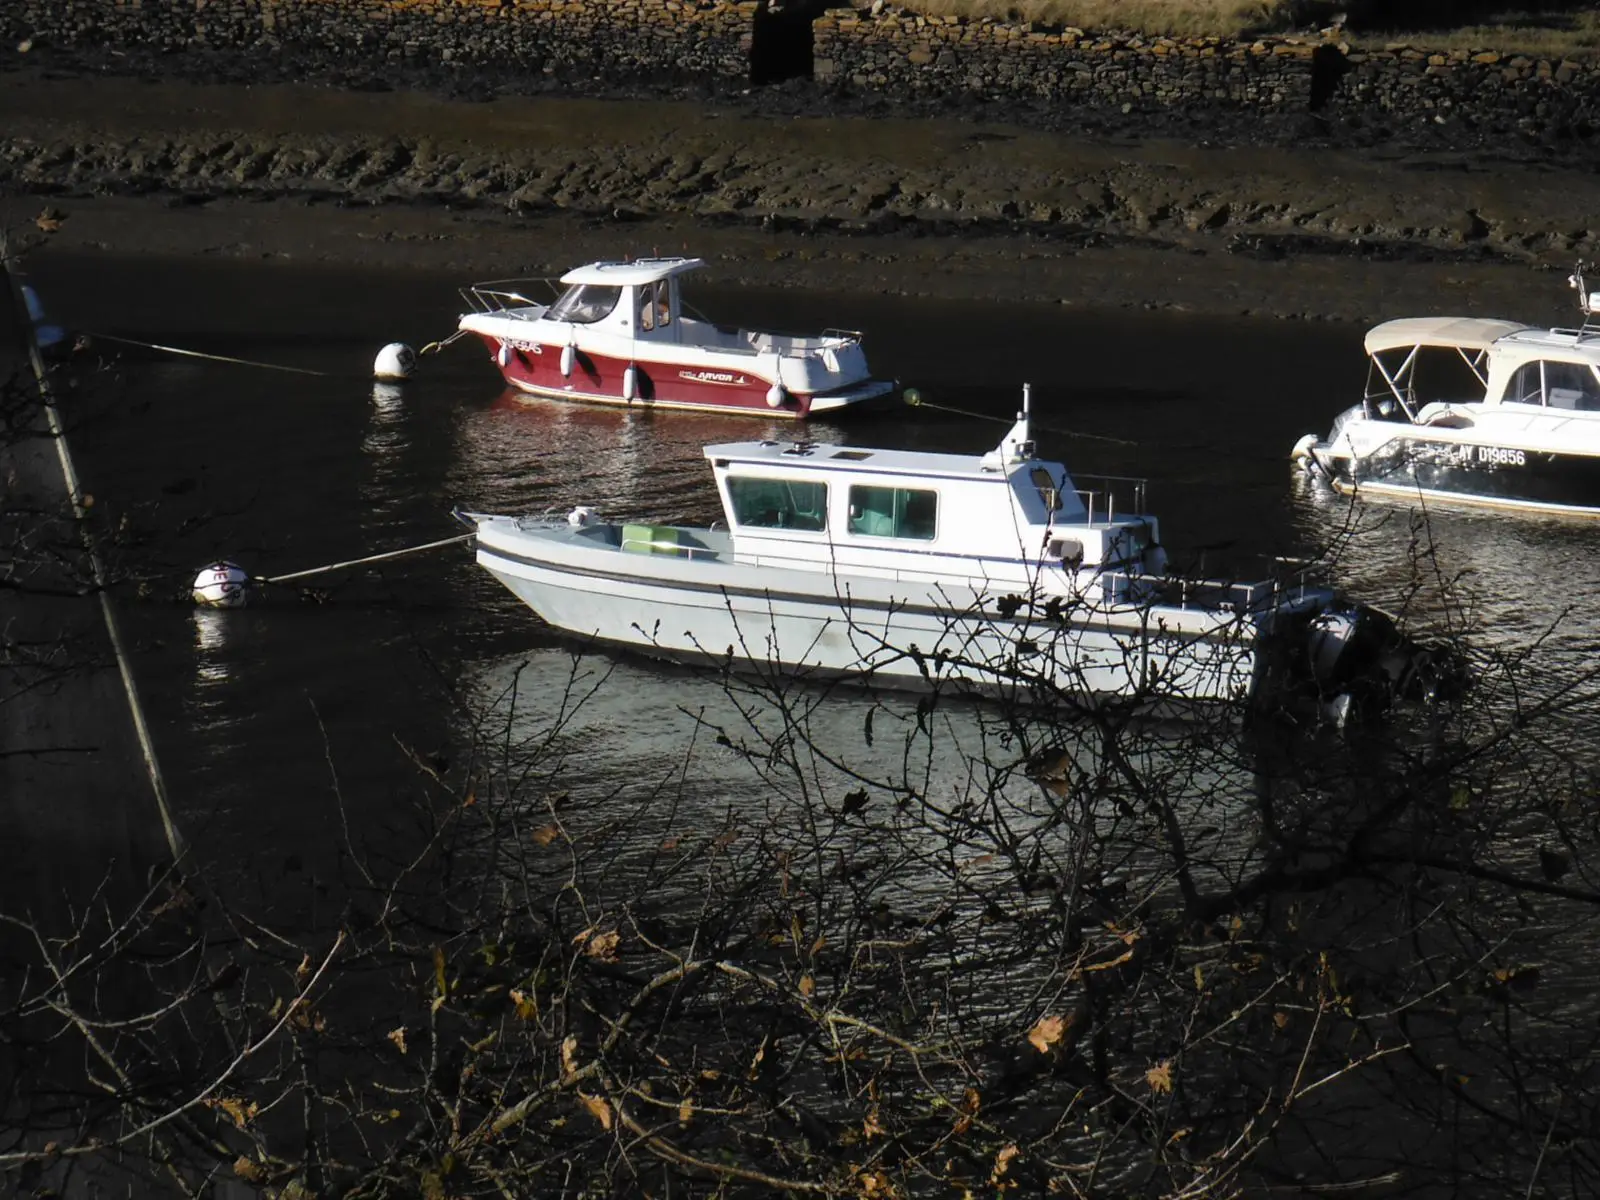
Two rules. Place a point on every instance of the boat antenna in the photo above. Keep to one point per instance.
(1588, 302)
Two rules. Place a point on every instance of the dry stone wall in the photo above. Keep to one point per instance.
(879, 49)
(907, 53)
(633, 37)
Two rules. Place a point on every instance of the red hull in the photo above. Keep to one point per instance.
(599, 380)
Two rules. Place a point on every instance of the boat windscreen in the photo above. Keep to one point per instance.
(585, 303)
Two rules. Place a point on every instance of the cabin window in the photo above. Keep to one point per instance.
(1048, 492)
(1527, 385)
(1565, 385)
(585, 303)
(894, 512)
(1571, 386)
(778, 503)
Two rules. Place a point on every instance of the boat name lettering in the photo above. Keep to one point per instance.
(1502, 456)
(526, 347)
(727, 378)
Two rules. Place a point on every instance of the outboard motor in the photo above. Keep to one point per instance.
(1361, 663)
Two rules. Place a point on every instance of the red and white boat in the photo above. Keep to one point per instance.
(619, 334)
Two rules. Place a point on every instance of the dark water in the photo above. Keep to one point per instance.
(299, 722)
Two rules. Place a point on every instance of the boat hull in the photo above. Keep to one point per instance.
(596, 378)
(810, 623)
(1492, 475)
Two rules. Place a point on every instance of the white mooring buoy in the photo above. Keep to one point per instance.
(395, 361)
(222, 585)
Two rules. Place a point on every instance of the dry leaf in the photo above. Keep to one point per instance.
(670, 843)
(248, 1168)
(817, 946)
(1002, 1162)
(755, 1063)
(50, 220)
(527, 1006)
(876, 1183)
(1047, 1032)
(872, 1127)
(1281, 1020)
(1159, 1077)
(241, 1112)
(303, 971)
(398, 1037)
(472, 798)
(970, 1102)
(685, 1111)
(569, 1056)
(440, 983)
(808, 985)
(598, 1109)
(604, 945)
(545, 834)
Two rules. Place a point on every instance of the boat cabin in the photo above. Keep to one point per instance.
(1004, 517)
(639, 298)
(1417, 361)
(1420, 362)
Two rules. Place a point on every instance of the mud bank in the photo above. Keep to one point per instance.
(916, 206)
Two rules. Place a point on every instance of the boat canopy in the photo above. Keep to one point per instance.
(1461, 333)
(630, 274)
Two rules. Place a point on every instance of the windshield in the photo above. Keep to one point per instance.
(585, 303)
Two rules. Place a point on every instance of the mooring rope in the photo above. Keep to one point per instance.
(242, 362)
(913, 399)
(69, 475)
(361, 562)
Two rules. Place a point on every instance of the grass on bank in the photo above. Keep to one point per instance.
(1551, 29)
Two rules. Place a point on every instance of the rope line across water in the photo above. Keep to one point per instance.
(243, 362)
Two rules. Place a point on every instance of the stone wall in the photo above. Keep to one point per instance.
(707, 38)
(905, 53)
(881, 48)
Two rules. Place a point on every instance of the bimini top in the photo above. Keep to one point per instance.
(631, 274)
(1465, 333)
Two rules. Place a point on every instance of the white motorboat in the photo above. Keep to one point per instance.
(1482, 411)
(620, 334)
(900, 567)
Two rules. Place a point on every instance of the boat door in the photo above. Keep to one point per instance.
(655, 311)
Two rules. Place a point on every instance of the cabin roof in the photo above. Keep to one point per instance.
(1574, 344)
(1466, 333)
(626, 274)
(828, 457)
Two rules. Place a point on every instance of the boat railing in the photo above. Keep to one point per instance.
(503, 295)
(636, 545)
(1213, 595)
(844, 335)
(1100, 498)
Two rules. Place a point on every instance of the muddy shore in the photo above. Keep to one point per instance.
(938, 206)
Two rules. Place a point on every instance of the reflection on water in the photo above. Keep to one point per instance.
(674, 753)
(1508, 580)
(529, 454)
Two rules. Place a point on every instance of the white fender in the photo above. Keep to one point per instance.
(630, 383)
(1302, 448)
(569, 359)
(777, 396)
(503, 356)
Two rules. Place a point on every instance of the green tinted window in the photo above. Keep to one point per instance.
(778, 503)
(894, 512)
